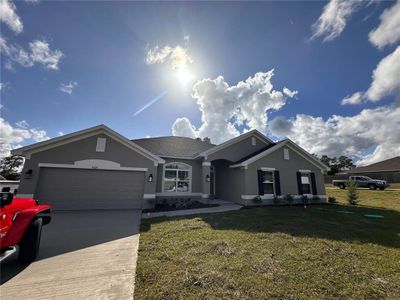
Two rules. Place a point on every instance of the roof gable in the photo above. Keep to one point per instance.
(79, 135)
(293, 146)
(392, 164)
(235, 140)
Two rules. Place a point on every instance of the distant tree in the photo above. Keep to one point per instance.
(10, 167)
(337, 164)
(207, 140)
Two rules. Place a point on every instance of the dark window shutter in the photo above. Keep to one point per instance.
(260, 182)
(299, 186)
(277, 183)
(313, 184)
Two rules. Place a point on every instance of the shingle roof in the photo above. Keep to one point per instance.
(254, 154)
(174, 146)
(392, 164)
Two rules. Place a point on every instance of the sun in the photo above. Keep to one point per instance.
(183, 75)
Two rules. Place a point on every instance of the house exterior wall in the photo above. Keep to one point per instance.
(196, 165)
(238, 150)
(82, 150)
(287, 171)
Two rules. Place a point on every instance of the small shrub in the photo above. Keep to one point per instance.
(289, 199)
(332, 200)
(257, 200)
(352, 193)
(315, 199)
(276, 200)
(304, 199)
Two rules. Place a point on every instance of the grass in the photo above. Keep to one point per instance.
(275, 253)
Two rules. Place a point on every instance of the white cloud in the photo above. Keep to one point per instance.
(22, 124)
(12, 137)
(9, 16)
(183, 127)
(350, 136)
(68, 87)
(388, 31)
(176, 56)
(224, 108)
(386, 77)
(289, 93)
(334, 17)
(385, 81)
(39, 52)
(356, 98)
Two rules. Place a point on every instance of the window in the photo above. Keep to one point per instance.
(306, 183)
(177, 177)
(268, 182)
(286, 154)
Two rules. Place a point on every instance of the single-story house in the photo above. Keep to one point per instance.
(388, 170)
(97, 168)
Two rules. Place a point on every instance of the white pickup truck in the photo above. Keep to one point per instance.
(11, 184)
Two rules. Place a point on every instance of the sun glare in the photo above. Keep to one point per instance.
(183, 75)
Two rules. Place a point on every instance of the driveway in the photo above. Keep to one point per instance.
(85, 255)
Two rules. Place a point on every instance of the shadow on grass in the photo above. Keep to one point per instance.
(333, 222)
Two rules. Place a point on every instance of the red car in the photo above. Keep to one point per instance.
(21, 221)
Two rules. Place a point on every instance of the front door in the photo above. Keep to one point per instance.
(212, 181)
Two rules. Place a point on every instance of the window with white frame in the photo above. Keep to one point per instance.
(177, 177)
(268, 182)
(306, 183)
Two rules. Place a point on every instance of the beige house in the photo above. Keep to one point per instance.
(97, 168)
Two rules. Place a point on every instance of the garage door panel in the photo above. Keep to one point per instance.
(70, 189)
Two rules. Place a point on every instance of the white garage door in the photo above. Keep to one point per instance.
(75, 189)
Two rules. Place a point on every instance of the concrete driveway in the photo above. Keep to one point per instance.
(83, 255)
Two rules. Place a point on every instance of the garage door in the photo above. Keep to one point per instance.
(74, 189)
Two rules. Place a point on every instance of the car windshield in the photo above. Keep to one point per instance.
(365, 178)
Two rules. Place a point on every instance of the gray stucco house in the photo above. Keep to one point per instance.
(97, 168)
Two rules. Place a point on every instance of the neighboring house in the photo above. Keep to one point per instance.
(388, 170)
(98, 168)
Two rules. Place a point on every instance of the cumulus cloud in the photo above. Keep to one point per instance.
(226, 108)
(289, 93)
(385, 81)
(333, 19)
(68, 87)
(356, 98)
(39, 53)
(9, 16)
(350, 136)
(176, 56)
(183, 127)
(388, 31)
(12, 137)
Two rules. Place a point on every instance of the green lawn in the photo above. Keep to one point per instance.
(275, 252)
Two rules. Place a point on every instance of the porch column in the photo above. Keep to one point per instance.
(205, 184)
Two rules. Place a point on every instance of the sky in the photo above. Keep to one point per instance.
(324, 74)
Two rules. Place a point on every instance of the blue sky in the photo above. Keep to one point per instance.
(105, 45)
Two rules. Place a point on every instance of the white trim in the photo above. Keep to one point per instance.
(206, 164)
(149, 196)
(291, 145)
(82, 134)
(205, 196)
(305, 171)
(66, 166)
(174, 194)
(190, 176)
(235, 140)
(24, 196)
(268, 169)
(177, 157)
